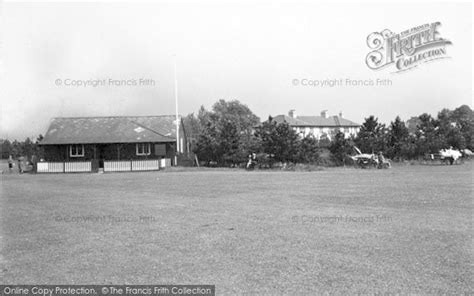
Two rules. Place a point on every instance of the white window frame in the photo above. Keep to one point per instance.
(144, 152)
(75, 154)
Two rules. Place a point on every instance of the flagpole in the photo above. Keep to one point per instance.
(176, 107)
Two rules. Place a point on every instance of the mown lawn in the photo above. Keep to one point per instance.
(404, 230)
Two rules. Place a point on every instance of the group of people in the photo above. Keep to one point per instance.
(252, 161)
(20, 164)
(375, 160)
(378, 159)
(382, 162)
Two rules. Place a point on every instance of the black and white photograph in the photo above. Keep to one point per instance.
(236, 148)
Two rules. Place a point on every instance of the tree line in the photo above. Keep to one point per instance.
(451, 128)
(230, 131)
(17, 148)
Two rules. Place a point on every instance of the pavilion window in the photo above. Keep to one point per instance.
(76, 150)
(143, 149)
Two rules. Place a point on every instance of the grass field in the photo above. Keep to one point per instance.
(403, 230)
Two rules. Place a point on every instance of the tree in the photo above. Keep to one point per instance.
(461, 122)
(324, 140)
(308, 150)
(450, 130)
(340, 147)
(28, 148)
(191, 124)
(38, 150)
(278, 140)
(229, 148)
(427, 136)
(207, 142)
(226, 133)
(409, 148)
(372, 136)
(6, 149)
(16, 149)
(398, 137)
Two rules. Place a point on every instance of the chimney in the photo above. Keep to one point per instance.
(324, 113)
(340, 114)
(292, 113)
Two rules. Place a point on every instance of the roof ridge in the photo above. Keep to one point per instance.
(298, 120)
(113, 116)
(151, 130)
(110, 129)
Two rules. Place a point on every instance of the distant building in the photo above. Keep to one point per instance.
(101, 139)
(319, 126)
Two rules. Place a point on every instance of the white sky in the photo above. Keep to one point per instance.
(250, 52)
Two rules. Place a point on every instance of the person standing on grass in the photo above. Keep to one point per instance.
(10, 163)
(20, 168)
(381, 158)
(249, 163)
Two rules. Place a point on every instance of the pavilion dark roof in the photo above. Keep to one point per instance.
(114, 129)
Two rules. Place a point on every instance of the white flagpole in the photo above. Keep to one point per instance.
(176, 106)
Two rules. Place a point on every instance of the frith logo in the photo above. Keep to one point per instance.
(407, 49)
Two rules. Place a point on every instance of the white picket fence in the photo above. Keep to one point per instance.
(109, 166)
(78, 167)
(145, 165)
(165, 162)
(50, 167)
(117, 166)
(133, 165)
(64, 167)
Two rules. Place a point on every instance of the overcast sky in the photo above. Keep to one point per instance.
(250, 52)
